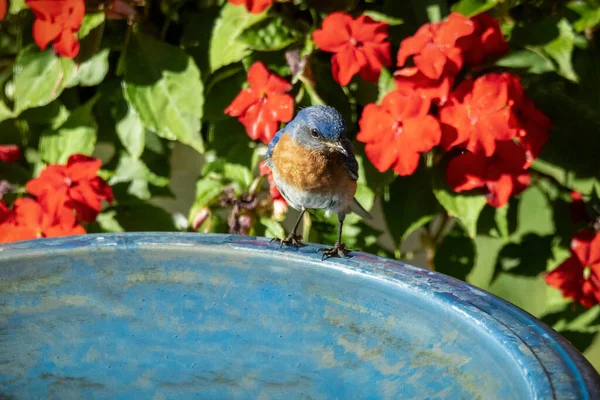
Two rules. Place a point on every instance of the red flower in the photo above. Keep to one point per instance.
(254, 6)
(434, 47)
(3, 9)
(262, 106)
(31, 220)
(397, 131)
(360, 46)
(577, 208)
(75, 185)
(487, 40)
(579, 276)
(57, 21)
(9, 152)
(5, 212)
(279, 204)
(481, 113)
(412, 79)
(501, 175)
(534, 127)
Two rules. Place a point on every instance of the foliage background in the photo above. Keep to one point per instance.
(147, 91)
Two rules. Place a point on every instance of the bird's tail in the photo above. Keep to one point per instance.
(355, 207)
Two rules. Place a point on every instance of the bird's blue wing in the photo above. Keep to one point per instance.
(350, 161)
(271, 146)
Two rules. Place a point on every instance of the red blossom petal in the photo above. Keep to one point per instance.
(521, 182)
(420, 134)
(377, 55)
(465, 172)
(375, 124)
(347, 63)
(487, 40)
(59, 230)
(10, 232)
(242, 101)
(414, 44)
(254, 6)
(499, 189)
(431, 61)
(10, 152)
(586, 246)
(365, 30)
(52, 179)
(412, 79)
(335, 33)
(456, 125)
(381, 155)
(259, 123)
(28, 213)
(405, 105)
(407, 163)
(80, 166)
(66, 44)
(258, 76)
(568, 278)
(45, 32)
(3, 8)
(455, 27)
(281, 106)
(277, 84)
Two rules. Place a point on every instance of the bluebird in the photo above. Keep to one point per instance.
(314, 167)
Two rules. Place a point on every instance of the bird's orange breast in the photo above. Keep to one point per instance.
(312, 170)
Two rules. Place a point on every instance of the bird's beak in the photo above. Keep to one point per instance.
(336, 146)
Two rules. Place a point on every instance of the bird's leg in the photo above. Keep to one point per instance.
(339, 249)
(293, 239)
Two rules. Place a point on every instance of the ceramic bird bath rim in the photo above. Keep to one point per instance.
(549, 365)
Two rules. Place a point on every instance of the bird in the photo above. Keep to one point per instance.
(314, 167)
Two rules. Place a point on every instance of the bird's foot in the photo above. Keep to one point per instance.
(338, 250)
(291, 240)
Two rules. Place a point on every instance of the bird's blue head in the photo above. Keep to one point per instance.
(318, 127)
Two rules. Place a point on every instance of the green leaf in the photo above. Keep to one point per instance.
(93, 71)
(222, 88)
(455, 256)
(530, 59)
(470, 8)
(77, 135)
(39, 77)
(411, 205)
(139, 217)
(237, 173)
(463, 206)
(16, 6)
(561, 50)
(225, 48)
(534, 214)
(269, 35)
(207, 190)
(273, 229)
(163, 85)
(385, 84)
(5, 112)
(89, 23)
(501, 218)
(131, 133)
(590, 15)
(381, 17)
(138, 175)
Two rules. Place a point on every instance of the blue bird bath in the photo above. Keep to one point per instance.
(158, 316)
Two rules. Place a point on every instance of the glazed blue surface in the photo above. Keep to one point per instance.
(216, 316)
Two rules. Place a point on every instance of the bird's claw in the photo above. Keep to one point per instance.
(291, 240)
(338, 250)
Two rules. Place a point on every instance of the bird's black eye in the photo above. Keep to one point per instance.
(315, 133)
